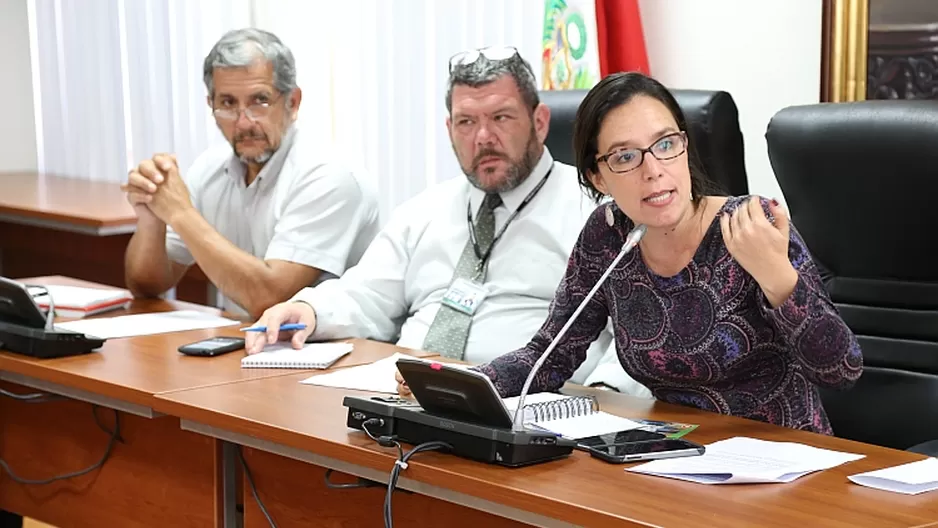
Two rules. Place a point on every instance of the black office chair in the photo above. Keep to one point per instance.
(860, 182)
(713, 123)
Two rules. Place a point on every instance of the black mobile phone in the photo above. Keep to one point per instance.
(213, 346)
(652, 450)
(622, 437)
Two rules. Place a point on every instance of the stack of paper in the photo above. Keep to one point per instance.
(912, 478)
(743, 460)
(74, 301)
(145, 324)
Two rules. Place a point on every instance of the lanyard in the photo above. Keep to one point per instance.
(483, 258)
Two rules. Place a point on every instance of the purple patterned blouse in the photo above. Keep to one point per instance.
(706, 337)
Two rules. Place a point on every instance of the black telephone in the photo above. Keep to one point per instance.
(24, 329)
(454, 392)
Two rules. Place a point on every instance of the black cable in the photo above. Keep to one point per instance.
(360, 483)
(383, 441)
(247, 473)
(400, 465)
(36, 397)
(115, 435)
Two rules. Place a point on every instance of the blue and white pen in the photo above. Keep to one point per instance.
(290, 326)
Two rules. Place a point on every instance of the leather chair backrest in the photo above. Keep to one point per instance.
(713, 123)
(859, 180)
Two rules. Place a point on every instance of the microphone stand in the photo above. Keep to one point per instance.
(631, 241)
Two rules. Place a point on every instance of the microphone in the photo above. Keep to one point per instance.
(630, 242)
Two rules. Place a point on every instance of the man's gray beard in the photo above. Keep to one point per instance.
(516, 173)
(265, 156)
(260, 160)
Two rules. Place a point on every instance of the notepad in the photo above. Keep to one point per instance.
(742, 460)
(912, 478)
(569, 416)
(75, 301)
(311, 356)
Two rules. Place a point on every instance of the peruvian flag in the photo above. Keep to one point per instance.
(620, 39)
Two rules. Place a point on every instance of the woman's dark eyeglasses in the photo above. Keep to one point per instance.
(627, 160)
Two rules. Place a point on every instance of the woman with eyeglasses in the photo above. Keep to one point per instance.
(718, 307)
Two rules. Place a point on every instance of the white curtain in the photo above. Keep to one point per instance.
(121, 79)
(373, 74)
(116, 81)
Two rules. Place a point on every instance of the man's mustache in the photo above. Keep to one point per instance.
(488, 153)
(250, 135)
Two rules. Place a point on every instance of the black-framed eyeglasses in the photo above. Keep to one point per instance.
(253, 111)
(492, 53)
(665, 148)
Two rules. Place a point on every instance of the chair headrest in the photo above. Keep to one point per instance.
(713, 122)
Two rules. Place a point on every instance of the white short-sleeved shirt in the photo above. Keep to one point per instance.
(395, 292)
(303, 207)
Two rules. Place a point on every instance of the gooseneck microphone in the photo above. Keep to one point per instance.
(630, 242)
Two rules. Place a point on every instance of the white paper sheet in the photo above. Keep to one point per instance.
(742, 460)
(912, 478)
(374, 377)
(146, 324)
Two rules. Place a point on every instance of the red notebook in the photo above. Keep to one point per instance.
(76, 302)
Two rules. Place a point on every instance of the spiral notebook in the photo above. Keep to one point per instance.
(569, 416)
(311, 356)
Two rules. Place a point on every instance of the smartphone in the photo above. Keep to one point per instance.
(622, 437)
(213, 346)
(652, 450)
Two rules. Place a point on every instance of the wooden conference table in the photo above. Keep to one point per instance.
(296, 431)
(46, 220)
(176, 469)
(159, 474)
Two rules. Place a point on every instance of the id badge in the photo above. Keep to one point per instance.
(464, 295)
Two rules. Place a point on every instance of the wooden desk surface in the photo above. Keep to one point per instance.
(68, 204)
(134, 369)
(580, 490)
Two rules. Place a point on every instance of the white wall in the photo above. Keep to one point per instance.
(765, 53)
(17, 124)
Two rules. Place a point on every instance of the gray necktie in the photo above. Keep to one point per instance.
(447, 335)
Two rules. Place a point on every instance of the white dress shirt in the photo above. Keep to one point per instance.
(394, 292)
(303, 207)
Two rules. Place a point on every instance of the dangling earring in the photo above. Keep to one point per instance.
(610, 217)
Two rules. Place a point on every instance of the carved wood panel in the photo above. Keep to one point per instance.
(903, 62)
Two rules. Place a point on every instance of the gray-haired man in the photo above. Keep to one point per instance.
(263, 221)
(467, 268)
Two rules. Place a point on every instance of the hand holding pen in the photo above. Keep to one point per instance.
(293, 321)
